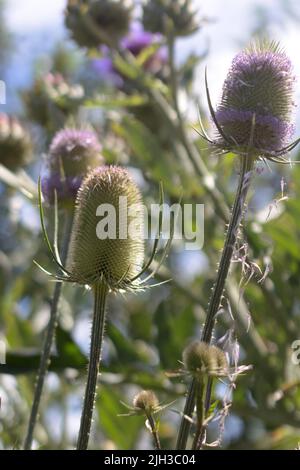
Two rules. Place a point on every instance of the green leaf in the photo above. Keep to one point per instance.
(147, 150)
(173, 330)
(123, 431)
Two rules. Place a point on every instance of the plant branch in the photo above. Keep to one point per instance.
(153, 428)
(100, 293)
(48, 341)
(215, 301)
(200, 413)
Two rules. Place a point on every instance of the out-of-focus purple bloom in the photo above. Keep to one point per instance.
(256, 104)
(66, 188)
(104, 68)
(72, 154)
(135, 42)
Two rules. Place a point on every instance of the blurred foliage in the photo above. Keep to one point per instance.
(146, 334)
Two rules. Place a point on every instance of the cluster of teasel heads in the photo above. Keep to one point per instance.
(254, 113)
(253, 118)
(110, 264)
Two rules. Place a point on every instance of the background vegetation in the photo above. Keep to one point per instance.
(147, 333)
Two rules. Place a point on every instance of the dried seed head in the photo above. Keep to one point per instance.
(110, 17)
(15, 143)
(256, 104)
(111, 247)
(73, 153)
(158, 14)
(200, 358)
(146, 401)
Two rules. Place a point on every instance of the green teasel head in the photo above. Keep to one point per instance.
(107, 237)
(200, 359)
(95, 22)
(107, 241)
(165, 16)
(146, 401)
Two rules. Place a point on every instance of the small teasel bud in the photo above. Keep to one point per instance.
(15, 143)
(161, 15)
(107, 240)
(72, 154)
(255, 108)
(146, 401)
(198, 359)
(88, 20)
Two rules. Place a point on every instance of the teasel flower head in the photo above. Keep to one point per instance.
(200, 358)
(161, 16)
(107, 239)
(255, 110)
(114, 255)
(96, 22)
(15, 143)
(146, 402)
(72, 154)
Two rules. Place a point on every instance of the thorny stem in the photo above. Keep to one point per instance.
(100, 293)
(49, 337)
(215, 301)
(200, 412)
(154, 432)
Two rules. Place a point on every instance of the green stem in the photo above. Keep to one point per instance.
(100, 292)
(200, 413)
(215, 301)
(48, 340)
(174, 121)
(154, 432)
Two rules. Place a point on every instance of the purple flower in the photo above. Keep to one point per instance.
(72, 154)
(256, 104)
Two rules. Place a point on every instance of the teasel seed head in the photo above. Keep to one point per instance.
(118, 258)
(72, 154)
(15, 143)
(201, 359)
(88, 20)
(146, 401)
(254, 113)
